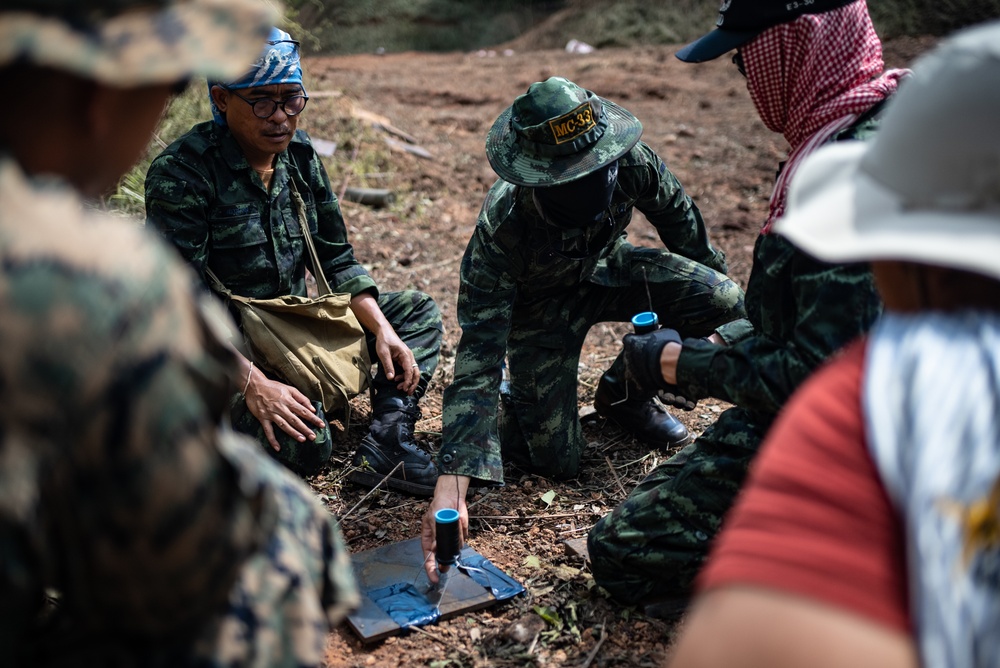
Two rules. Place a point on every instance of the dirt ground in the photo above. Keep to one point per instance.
(699, 118)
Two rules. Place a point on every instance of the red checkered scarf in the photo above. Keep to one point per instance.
(813, 77)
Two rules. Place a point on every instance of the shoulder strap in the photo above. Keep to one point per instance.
(300, 210)
(216, 284)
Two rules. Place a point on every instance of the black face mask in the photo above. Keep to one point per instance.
(579, 203)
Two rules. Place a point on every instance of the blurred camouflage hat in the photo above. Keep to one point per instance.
(135, 42)
(558, 132)
(742, 20)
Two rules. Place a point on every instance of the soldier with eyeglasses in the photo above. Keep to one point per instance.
(222, 194)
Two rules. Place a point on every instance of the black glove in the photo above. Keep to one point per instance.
(642, 360)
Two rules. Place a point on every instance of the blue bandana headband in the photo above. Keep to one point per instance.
(278, 64)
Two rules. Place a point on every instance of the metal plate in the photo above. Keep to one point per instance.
(403, 562)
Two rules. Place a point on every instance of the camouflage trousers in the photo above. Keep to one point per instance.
(651, 547)
(538, 423)
(416, 319)
(286, 599)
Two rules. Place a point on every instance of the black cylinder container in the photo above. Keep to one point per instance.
(449, 537)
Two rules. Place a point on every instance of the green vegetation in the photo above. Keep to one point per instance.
(184, 111)
(362, 156)
(358, 26)
(895, 18)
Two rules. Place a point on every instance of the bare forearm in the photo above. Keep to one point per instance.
(368, 313)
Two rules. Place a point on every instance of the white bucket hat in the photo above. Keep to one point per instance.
(927, 187)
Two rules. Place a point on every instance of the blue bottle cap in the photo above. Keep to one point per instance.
(446, 516)
(644, 322)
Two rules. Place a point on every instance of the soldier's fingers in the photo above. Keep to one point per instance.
(427, 544)
(307, 414)
(269, 434)
(314, 419)
(410, 378)
(387, 363)
(294, 427)
(299, 398)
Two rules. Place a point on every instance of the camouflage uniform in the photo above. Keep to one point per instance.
(117, 487)
(211, 205)
(531, 290)
(800, 312)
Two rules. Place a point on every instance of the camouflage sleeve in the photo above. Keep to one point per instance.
(470, 445)
(735, 331)
(341, 268)
(137, 518)
(177, 201)
(677, 219)
(834, 304)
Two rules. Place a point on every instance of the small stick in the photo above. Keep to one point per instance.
(479, 500)
(526, 517)
(531, 648)
(600, 641)
(615, 474)
(370, 492)
(347, 177)
(649, 295)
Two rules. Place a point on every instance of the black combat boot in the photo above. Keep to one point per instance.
(389, 442)
(644, 418)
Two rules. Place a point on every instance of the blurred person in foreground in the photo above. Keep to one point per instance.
(815, 74)
(548, 260)
(223, 195)
(135, 530)
(869, 531)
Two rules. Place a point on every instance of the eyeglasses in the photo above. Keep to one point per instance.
(265, 106)
(738, 61)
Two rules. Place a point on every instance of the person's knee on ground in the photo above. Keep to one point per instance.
(635, 561)
(538, 458)
(651, 546)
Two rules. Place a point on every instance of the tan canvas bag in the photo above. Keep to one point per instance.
(316, 345)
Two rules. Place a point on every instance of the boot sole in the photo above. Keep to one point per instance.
(370, 479)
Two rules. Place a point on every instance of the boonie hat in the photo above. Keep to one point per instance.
(742, 20)
(926, 188)
(135, 42)
(557, 132)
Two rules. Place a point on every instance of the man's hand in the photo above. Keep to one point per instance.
(275, 403)
(642, 359)
(449, 492)
(393, 354)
